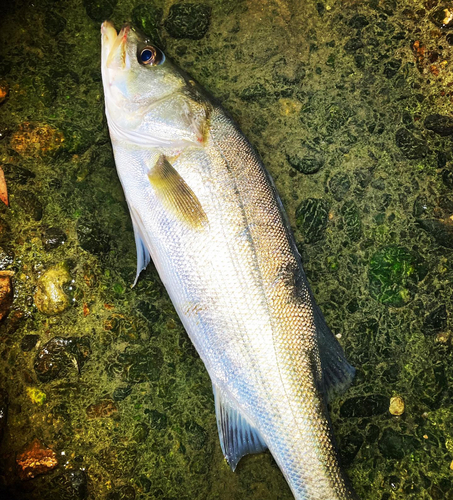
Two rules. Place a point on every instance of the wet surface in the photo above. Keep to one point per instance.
(349, 105)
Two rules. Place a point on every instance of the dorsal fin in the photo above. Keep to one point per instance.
(175, 195)
(237, 436)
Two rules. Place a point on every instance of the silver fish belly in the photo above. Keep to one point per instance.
(207, 213)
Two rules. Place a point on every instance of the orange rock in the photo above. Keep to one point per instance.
(32, 139)
(6, 293)
(3, 190)
(35, 459)
(4, 91)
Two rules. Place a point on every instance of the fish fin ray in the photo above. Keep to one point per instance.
(237, 436)
(337, 373)
(175, 195)
(143, 256)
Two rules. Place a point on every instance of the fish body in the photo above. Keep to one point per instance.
(205, 210)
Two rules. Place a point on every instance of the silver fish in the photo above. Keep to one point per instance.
(205, 210)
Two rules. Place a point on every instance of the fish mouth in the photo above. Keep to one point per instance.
(114, 45)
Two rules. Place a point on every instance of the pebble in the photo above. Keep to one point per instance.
(188, 20)
(99, 10)
(440, 124)
(36, 459)
(396, 405)
(311, 219)
(49, 297)
(443, 16)
(52, 237)
(412, 147)
(28, 342)
(102, 409)
(35, 139)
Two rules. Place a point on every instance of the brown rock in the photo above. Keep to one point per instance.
(32, 139)
(35, 459)
(3, 189)
(6, 293)
(103, 409)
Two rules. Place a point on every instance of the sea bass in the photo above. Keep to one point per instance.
(206, 212)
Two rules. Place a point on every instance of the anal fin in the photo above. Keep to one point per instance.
(143, 256)
(237, 436)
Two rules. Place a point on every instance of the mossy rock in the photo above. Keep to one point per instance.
(311, 218)
(393, 275)
(50, 298)
(188, 20)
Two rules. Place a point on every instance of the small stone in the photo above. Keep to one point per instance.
(50, 298)
(311, 219)
(4, 91)
(148, 18)
(440, 124)
(412, 147)
(436, 320)
(102, 409)
(6, 257)
(353, 44)
(303, 164)
(6, 294)
(396, 405)
(391, 68)
(52, 237)
(36, 459)
(99, 10)
(35, 139)
(188, 20)
(358, 21)
(254, 93)
(28, 342)
(351, 219)
(92, 238)
(443, 17)
(339, 185)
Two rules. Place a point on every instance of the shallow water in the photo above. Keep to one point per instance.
(342, 101)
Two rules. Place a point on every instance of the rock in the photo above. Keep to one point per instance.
(77, 139)
(49, 297)
(449, 38)
(436, 320)
(197, 436)
(141, 365)
(254, 92)
(4, 91)
(394, 445)
(412, 147)
(99, 10)
(339, 185)
(19, 175)
(29, 204)
(188, 20)
(54, 23)
(6, 293)
(440, 124)
(440, 229)
(358, 21)
(311, 219)
(447, 178)
(353, 44)
(148, 18)
(92, 238)
(396, 405)
(304, 164)
(28, 342)
(393, 275)
(364, 406)
(36, 139)
(349, 447)
(79, 482)
(4, 403)
(119, 458)
(351, 220)
(36, 459)
(121, 393)
(102, 409)
(391, 68)
(52, 237)
(57, 356)
(443, 16)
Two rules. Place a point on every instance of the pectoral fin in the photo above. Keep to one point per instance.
(175, 195)
(237, 436)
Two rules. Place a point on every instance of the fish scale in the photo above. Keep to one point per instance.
(206, 211)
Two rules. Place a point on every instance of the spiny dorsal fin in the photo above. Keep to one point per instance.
(237, 436)
(176, 195)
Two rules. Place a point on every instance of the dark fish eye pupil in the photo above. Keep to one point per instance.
(146, 55)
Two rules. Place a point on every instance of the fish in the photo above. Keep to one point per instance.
(207, 213)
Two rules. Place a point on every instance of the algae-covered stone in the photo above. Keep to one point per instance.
(339, 185)
(412, 147)
(92, 238)
(28, 342)
(99, 10)
(52, 237)
(4, 404)
(140, 433)
(311, 218)
(188, 20)
(364, 406)
(254, 92)
(50, 297)
(28, 203)
(436, 320)
(393, 275)
(304, 164)
(440, 124)
(394, 445)
(148, 18)
(54, 23)
(440, 229)
(396, 405)
(351, 220)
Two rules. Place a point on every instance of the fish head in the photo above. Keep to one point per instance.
(136, 76)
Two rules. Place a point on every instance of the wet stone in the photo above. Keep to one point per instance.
(304, 164)
(440, 124)
(351, 219)
(148, 18)
(52, 237)
(157, 420)
(339, 185)
(393, 275)
(188, 20)
(49, 297)
(396, 406)
(36, 139)
(358, 21)
(394, 445)
(103, 409)
(36, 459)
(364, 406)
(4, 403)
(78, 482)
(349, 447)
(436, 320)
(119, 458)
(440, 230)
(92, 238)
(54, 23)
(55, 358)
(28, 342)
(311, 219)
(29, 204)
(412, 147)
(121, 393)
(99, 10)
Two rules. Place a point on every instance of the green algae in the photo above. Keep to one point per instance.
(360, 92)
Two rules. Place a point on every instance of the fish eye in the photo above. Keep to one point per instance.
(151, 56)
